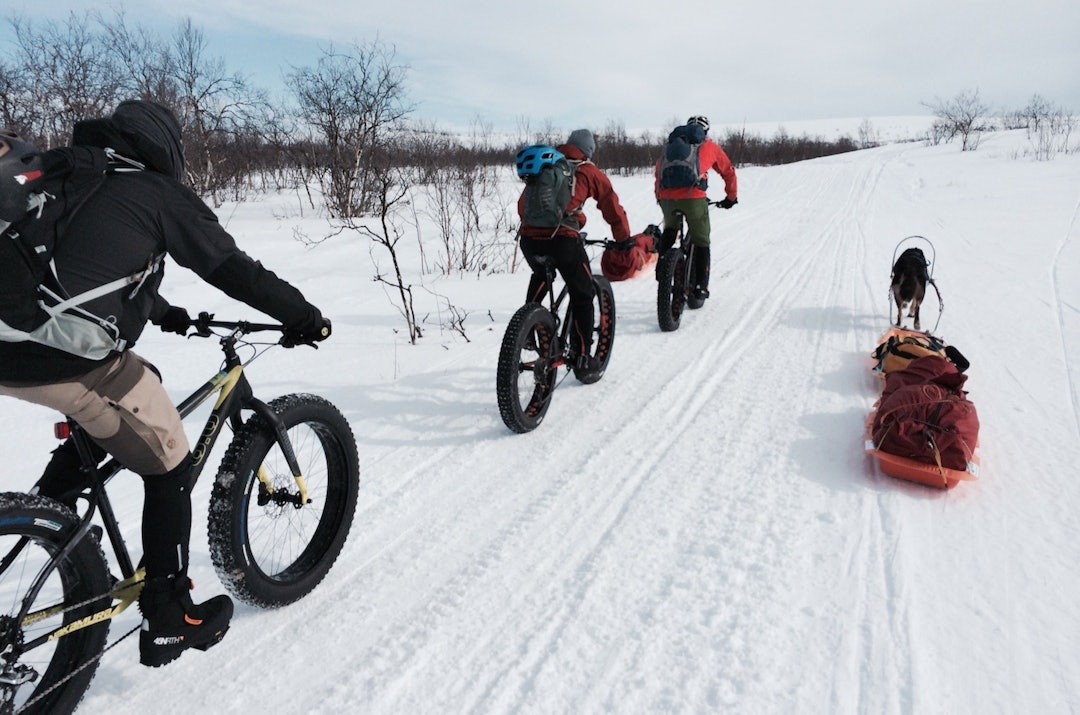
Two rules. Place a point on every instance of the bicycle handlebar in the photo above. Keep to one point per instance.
(205, 321)
(607, 243)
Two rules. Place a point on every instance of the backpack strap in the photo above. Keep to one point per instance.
(575, 164)
(138, 278)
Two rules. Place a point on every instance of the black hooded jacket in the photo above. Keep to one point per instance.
(133, 217)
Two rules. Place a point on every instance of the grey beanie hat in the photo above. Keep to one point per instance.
(583, 139)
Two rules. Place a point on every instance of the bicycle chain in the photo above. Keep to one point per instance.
(94, 659)
(78, 670)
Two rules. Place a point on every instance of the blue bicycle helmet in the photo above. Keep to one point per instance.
(535, 157)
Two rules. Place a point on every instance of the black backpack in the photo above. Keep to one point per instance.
(679, 168)
(33, 304)
(549, 186)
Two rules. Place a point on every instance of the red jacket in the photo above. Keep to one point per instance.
(710, 156)
(589, 182)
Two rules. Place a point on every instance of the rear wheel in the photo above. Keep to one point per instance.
(671, 288)
(270, 547)
(526, 374)
(603, 330)
(38, 675)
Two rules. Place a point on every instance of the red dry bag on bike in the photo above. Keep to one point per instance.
(619, 264)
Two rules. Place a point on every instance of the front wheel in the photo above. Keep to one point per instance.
(270, 547)
(603, 330)
(671, 288)
(39, 674)
(525, 379)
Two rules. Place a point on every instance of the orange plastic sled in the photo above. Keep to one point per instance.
(913, 470)
(908, 469)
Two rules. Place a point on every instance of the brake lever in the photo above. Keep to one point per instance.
(202, 325)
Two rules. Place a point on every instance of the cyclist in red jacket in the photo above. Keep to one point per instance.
(565, 244)
(693, 201)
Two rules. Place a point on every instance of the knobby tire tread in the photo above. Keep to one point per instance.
(603, 329)
(523, 406)
(670, 292)
(327, 443)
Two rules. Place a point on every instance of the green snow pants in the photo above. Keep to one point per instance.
(696, 212)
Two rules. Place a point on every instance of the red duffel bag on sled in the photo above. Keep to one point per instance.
(619, 264)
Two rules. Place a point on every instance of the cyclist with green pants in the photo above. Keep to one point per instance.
(681, 185)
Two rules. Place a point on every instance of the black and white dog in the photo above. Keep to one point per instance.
(909, 279)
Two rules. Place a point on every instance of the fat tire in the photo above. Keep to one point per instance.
(603, 330)
(525, 378)
(45, 525)
(274, 554)
(671, 290)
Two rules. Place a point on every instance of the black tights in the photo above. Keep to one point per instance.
(573, 265)
(166, 523)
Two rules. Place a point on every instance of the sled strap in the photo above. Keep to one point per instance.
(937, 459)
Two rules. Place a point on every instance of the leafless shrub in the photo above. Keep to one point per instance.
(963, 116)
(349, 101)
(1049, 127)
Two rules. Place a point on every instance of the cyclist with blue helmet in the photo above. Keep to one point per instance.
(563, 243)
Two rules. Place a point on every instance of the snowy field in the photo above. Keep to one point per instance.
(701, 530)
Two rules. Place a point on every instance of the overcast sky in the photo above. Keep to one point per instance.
(596, 62)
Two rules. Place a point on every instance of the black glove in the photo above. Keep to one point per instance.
(175, 320)
(307, 335)
(727, 203)
(627, 244)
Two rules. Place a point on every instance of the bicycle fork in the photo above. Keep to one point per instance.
(267, 492)
(233, 386)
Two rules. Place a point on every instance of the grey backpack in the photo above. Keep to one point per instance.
(34, 306)
(549, 185)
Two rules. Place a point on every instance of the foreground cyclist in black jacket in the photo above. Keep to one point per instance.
(119, 400)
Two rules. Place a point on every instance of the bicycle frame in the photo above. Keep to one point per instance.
(235, 395)
(554, 302)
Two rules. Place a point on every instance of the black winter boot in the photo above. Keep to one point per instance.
(702, 259)
(172, 623)
(667, 239)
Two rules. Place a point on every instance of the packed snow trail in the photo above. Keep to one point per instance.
(700, 530)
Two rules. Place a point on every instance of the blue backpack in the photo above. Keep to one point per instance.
(679, 168)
